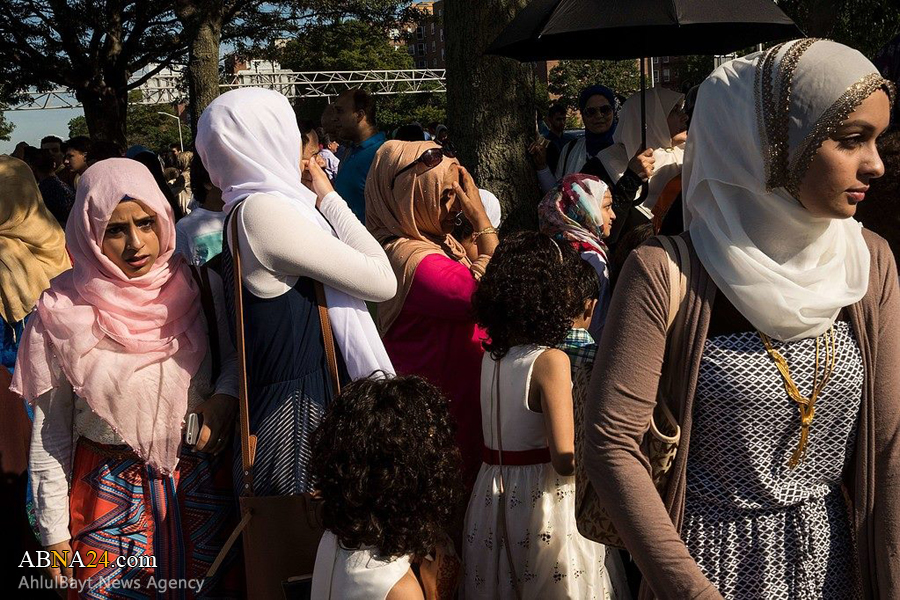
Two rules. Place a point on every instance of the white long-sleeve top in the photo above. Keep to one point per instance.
(61, 417)
(279, 245)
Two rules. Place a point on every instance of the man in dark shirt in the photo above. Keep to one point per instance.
(57, 195)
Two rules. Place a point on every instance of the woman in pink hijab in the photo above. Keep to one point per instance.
(115, 357)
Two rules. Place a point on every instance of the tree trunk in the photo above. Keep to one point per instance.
(203, 69)
(105, 112)
(202, 22)
(491, 107)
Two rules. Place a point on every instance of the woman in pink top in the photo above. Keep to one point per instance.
(416, 193)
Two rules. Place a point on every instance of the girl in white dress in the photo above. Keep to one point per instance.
(385, 462)
(520, 538)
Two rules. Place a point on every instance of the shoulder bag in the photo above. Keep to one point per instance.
(660, 443)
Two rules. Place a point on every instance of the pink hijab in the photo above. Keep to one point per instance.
(129, 347)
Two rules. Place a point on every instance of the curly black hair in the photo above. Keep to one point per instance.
(528, 294)
(385, 461)
(588, 282)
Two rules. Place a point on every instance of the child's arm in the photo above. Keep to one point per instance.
(551, 389)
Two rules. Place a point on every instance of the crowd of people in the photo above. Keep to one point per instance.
(682, 385)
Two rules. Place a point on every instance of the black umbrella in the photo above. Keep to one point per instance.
(621, 29)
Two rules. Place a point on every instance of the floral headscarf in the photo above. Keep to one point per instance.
(571, 212)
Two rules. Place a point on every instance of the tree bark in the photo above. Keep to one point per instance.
(203, 70)
(105, 112)
(491, 107)
(203, 20)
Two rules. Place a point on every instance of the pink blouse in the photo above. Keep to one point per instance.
(435, 337)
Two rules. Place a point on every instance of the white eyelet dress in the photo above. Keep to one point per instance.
(552, 560)
(756, 527)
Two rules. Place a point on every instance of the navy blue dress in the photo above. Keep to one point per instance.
(288, 383)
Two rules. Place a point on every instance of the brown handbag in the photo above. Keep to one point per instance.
(660, 444)
(281, 533)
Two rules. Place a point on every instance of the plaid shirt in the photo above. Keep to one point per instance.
(581, 348)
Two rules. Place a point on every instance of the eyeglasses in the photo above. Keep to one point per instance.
(430, 158)
(604, 110)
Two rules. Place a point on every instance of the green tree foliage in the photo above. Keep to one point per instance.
(695, 69)
(145, 126)
(6, 128)
(355, 45)
(91, 48)
(569, 77)
(866, 25)
(343, 46)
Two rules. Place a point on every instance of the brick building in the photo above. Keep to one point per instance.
(426, 37)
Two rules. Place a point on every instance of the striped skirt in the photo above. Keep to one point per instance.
(167, 529)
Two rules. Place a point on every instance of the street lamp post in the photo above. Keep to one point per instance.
(177, 118)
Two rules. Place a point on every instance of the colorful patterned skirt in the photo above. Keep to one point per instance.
(121, 507)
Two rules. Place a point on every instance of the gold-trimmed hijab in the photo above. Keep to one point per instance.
(32, 244)
(758, 123)
(406, 219)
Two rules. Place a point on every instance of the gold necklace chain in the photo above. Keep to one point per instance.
(806, 405)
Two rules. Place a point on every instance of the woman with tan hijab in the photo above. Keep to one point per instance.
(416, 193)
(32, 247)
(32, 252)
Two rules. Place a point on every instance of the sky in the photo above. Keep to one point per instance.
(32, 125)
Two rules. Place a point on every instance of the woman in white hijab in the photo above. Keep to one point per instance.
(290, 238)
(666, 134)
(782, 364)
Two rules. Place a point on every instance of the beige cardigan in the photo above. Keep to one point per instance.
(622, 395)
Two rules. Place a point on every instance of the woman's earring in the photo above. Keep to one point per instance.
(459, 217)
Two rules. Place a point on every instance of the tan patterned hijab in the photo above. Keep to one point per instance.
(32, 244)
(407, 219)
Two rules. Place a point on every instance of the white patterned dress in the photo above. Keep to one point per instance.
(756, 527)
(551, 559)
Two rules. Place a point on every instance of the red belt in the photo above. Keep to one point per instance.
(516, 458)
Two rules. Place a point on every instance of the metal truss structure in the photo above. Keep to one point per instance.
(171, 88)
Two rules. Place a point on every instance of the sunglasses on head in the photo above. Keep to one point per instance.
(604, 110)
(430, 158)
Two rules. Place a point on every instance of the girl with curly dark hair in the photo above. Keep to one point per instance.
(386, 464)
(520, 535)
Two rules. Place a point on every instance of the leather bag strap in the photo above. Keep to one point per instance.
(679, 271)
(502, 489)
(248, 442)
(328, 338)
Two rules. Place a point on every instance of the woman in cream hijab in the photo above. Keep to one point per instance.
(786, 347)
(666, 133)
(416, 194)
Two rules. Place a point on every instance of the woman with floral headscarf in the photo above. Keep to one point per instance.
(786, 481)
(579, 212)
(416, 194)
(116, 355)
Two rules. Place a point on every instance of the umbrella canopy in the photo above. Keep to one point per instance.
(620, 29)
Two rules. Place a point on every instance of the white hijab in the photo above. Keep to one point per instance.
(787, 272)
(250, 143)
(659, 102)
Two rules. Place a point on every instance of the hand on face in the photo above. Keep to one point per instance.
(839, 175)
(131, 239)
(315, 178)
(470, 201)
